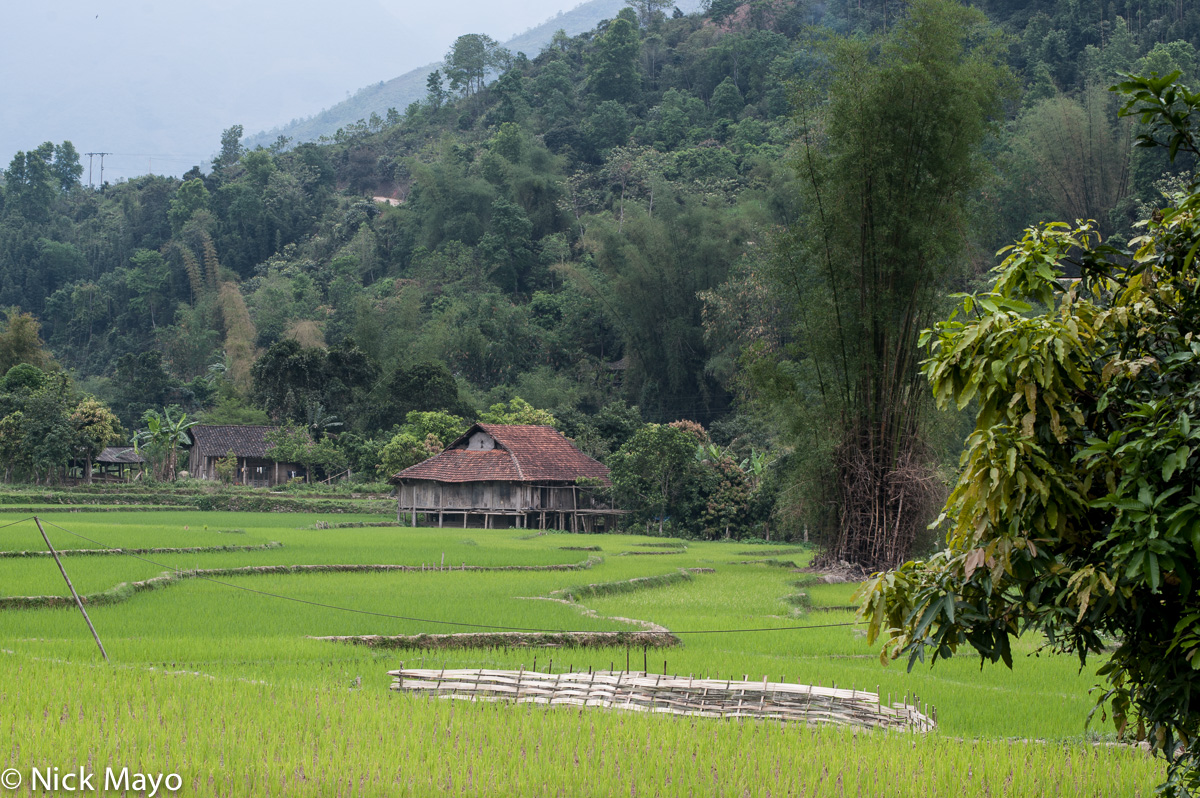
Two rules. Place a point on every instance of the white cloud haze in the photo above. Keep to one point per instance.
(156, 82)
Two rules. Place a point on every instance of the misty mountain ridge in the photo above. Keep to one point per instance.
(410, 87)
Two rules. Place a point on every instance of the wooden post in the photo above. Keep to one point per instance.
(78, 602)
(441, 504)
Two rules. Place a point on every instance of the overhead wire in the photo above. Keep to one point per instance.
(411, 618)
(18, 521)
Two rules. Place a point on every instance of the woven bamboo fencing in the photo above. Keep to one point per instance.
(641, 692)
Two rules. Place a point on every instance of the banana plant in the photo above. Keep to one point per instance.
(165, 435)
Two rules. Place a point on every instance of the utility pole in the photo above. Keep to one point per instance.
(78, 602)
(101, 154)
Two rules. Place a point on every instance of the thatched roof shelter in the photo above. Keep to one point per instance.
(120, 455)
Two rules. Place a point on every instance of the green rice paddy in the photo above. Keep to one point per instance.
(217, 677)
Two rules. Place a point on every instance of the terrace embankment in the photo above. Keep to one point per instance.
(484, 640)
(160, 550)
(126, 590)
(654, 636)
(627, 585)
(128, 497)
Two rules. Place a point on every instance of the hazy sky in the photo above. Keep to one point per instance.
(155, 82)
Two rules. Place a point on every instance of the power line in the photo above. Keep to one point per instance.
(90, 155)
(424, 620)
(304, 601)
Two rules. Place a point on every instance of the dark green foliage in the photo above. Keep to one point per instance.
(613, 69)
(470, 59)
(34, 179)
(1077, 511)
(191, 197)
(726, 101)
(291, 380)
(20, 342)
(652, 472)
(888, 157)
(435, 92)
(23, 377)
(141, 383)
(558, 216)
(425, 385)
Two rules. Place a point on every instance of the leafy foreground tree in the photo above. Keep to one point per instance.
(1077, 512)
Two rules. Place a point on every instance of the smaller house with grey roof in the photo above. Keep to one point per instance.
(114, 460)
(248, 443)
(508, 475)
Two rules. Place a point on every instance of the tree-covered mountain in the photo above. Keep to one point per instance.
(587, 231)
(410, 87)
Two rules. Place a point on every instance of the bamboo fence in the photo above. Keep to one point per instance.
(676, 695)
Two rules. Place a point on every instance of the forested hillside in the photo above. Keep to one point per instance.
(410, 87)
(586, 232)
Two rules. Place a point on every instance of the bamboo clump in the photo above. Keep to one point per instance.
(642, 692)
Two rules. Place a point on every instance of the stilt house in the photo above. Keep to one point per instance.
(211, 442)
(507, 475)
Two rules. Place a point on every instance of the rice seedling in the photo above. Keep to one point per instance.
(222, 682)
(230, 736)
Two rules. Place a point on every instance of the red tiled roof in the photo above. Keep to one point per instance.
(465, 465)
(523, 453)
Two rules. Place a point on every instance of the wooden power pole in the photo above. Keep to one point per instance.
(78, 601)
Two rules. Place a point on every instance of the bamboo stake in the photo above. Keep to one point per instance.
(78, 602)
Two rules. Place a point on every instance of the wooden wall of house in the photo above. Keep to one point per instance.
(512, 496)
(272, 473)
